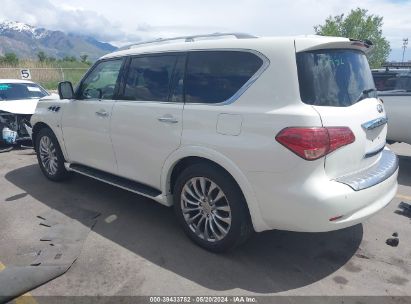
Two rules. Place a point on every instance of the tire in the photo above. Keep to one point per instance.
(227, 219)
(49, 156)
(4, 149)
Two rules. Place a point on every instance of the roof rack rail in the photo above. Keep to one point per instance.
(191, 38)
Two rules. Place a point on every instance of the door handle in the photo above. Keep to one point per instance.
(102, 113)
(168, 119)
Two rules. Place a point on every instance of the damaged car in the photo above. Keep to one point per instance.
(18, 101)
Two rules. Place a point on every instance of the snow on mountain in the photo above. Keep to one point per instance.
(36, 33)
(26, 41)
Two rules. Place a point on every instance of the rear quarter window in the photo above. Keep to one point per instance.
(215, 76)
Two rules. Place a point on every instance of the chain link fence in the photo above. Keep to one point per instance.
(47, 77)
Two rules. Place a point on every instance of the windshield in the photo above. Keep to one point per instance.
(16, 91)
(337, 78)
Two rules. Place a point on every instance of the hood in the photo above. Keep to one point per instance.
(22, 106)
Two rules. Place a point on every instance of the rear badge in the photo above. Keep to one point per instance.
(375, 123)
(380, 109)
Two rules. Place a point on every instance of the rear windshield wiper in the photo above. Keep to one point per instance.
(366, 94)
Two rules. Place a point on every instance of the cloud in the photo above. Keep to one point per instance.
(125, 21)
(43, 13)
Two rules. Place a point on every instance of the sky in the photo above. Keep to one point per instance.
(124, 21)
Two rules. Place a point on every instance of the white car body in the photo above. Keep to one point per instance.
(394, 87)
(398, 107)
(22, 106)
(145, 141)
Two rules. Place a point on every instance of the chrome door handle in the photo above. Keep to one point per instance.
(168, 119)
(102, 113)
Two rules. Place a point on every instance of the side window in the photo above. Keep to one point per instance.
(215, 76)
(101, 82)
(149, 78)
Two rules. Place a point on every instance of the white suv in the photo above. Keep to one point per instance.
(239, 133)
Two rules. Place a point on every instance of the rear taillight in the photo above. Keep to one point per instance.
(339, 136)
(314, 143)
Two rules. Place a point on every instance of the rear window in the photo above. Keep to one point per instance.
(215, 76)
(338, 78)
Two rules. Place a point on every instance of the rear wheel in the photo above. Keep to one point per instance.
(49, 156)
(211, 208)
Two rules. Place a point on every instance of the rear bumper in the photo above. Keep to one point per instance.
(374, 175)
(309, 205)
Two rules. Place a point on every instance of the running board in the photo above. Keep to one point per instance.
(115, 180)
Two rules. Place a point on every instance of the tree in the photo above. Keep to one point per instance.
(83, 58)
(41, 56)
(70, 59)
(9, 59)
(358, 24)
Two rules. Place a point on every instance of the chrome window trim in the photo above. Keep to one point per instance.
(377, 173)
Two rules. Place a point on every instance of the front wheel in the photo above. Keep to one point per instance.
(49, 156)
(211, 208)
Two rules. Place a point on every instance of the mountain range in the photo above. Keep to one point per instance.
(26, 41)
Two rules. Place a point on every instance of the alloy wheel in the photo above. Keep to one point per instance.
(48, 155)
(206, 209)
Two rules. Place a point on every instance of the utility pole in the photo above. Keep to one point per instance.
(404, 46)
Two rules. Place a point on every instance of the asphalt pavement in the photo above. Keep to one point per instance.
(137, 248)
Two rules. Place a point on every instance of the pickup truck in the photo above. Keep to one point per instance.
(394, 88)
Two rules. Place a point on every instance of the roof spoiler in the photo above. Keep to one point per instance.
(313, 43)
(365, 44)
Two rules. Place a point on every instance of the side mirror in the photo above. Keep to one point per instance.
(65, 90)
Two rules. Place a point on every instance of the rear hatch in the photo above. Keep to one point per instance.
(337, 82)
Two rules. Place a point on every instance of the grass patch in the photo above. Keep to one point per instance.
(48, 74)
